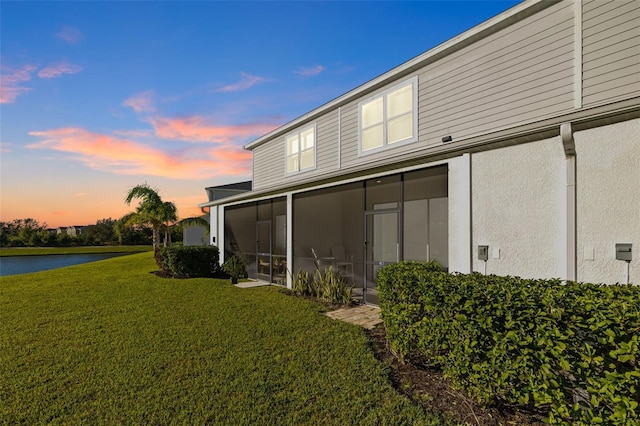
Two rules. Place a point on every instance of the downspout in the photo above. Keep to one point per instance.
(568, 143)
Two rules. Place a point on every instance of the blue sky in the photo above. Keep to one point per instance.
(100, 96)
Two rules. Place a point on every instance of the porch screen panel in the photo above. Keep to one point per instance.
(384, 192)
(279, 239)
(240, 234)
(425, 215)
(329, 222)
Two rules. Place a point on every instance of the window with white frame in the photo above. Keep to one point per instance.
(301, 150)
(389, 118)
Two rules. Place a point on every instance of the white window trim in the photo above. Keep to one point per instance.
(385, 146)
(315, 147)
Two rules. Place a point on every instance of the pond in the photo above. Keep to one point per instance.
(13, 265)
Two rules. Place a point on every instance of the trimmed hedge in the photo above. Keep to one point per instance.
(189, 262)
(570, 349)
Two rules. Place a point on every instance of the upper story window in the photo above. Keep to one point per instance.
(301, 150)
(389, 118)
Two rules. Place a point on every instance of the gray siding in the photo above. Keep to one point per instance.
(327, 140)
(268, 163)
(611, 51)
(518, 75)
(269, 158)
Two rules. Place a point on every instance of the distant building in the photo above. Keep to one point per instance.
(72, 231)
(75, 230)
(198, 235)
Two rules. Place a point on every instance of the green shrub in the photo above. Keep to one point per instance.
(300, 283)
(189, 262)
(328, 285)
(234, 267)
(570, 349)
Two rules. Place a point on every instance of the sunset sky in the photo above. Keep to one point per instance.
(97, 97)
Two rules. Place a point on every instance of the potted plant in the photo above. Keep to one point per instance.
(234, 267)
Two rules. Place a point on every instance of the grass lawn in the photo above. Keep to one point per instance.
(109, 342)
(37, 251)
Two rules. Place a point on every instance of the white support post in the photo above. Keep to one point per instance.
(289, 239)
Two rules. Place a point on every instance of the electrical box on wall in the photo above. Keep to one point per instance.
(483, 253)
(623, 252)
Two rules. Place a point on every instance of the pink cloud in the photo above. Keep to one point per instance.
(142, 102)
(58, 69)
(197, 129)
(127, 157)
(245, 83)
(11, 83)
(311, 71)
(69, 34)
(5, 147)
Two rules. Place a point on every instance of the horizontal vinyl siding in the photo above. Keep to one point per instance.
(520, 74)
(611, 51)
(349, 134)
(269, 158)
(268, 163)
(327, 144)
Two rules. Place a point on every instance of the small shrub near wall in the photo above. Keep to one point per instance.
(189, 262)
(570, 349)
(328, 285)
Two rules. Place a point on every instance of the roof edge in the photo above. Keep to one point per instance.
(484, 29)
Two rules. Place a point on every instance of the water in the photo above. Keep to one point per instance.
(13, 265)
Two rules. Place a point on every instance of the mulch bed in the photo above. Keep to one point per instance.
(430, 389)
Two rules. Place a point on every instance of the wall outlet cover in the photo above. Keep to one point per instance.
(495, 253)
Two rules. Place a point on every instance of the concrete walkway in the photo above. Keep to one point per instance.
(251, 284)
(366, 316)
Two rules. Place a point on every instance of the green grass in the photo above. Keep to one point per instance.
(109, 342)
(38, 251)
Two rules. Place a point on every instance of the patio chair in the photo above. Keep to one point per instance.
(342, 262)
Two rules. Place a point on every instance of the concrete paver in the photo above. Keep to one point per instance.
(365, 316)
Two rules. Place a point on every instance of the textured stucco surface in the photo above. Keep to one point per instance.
(608, 200)
(519, 207)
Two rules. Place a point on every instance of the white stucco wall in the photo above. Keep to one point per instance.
(519, 209)
(608, 201)
(460, 214)
(213, 225)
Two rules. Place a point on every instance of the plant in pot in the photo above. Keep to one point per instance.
(234, 267)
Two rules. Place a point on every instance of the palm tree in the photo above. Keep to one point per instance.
(152, 211)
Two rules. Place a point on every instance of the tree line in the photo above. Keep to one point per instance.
(32, 233)
(154, 221)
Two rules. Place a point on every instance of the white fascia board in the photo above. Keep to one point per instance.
(506, 18)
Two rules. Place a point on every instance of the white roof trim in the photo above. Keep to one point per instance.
(507, 17)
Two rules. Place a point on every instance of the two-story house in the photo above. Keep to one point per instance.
(511, 149)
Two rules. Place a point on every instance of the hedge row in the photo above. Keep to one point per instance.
(189, 262)
(571, 349)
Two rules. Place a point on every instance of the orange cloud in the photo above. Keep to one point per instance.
(69, 34)
(11, 83)
(197, 129)
(127, 157)
(245, 83)
(310, 72)
(58, 69)
(142, 102)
